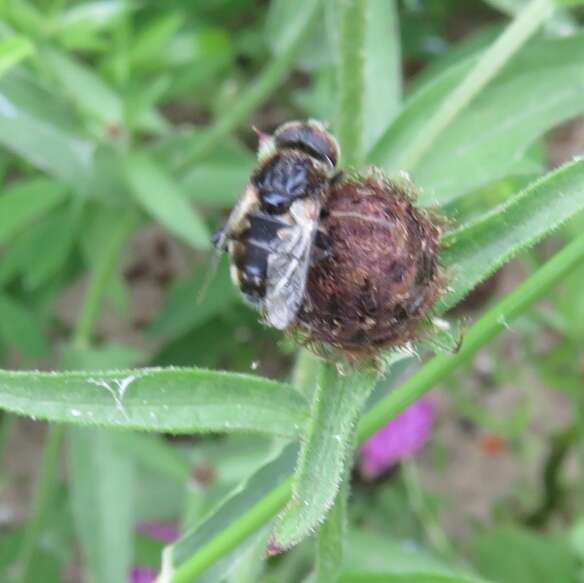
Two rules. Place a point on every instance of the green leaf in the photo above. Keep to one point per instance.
(420, 577)
(89, 16)
(176, 400)
(217, 184)
(26, 201)
(155, 453)
(20, 328)
(493, 133)
(513, 555)
(181, 313)
(245, 497)
(162, 198)
(326, 449)
(37, 127)
(56, 236)
(13, 50)
(476, 250)
(87, 90)
(285, 21)
(102, 498)
(383, 75)
(368, 551)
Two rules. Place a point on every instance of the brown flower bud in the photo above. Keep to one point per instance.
(380, 275)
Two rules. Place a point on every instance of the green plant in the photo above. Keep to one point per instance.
(80, 102)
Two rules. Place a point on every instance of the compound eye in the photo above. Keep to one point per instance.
(311, 138)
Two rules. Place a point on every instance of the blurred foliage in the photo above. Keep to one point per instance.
(124, 140)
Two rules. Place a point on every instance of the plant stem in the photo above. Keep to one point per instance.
(258, 92)
(435, 371)
(351, 73)
(44, 491)
(527, 21)
(100, 278)
(229, 538)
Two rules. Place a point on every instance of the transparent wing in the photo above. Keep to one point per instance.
(288, 267)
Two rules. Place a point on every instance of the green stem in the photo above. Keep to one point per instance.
(351, 74)
(229, 538)
(435, 371)
(527, 21)
(100, 279)
(44, 491)
(258, 92)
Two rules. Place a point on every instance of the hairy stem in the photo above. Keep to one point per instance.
(351, 74)
(434, 372)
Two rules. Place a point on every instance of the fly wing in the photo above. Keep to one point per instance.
(288, 266)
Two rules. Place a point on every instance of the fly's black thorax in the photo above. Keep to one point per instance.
(288, 176)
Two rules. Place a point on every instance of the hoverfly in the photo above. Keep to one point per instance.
(273, 231)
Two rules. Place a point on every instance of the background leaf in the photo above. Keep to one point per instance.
(102, 498)
(161, 197)
(26, 201)
(493, 133)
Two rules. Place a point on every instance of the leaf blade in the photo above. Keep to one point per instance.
(162, 198)
(175, 400)
(477, 250)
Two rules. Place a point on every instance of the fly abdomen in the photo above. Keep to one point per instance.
(251, 251)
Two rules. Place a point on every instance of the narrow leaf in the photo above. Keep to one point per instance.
(420, 577)
(477, 250)
(176, 400)
(260, 484)
(35, 126)
(102, 497)
(162, 198)
(491, 136)
(13, 50)
(86, 89)
(327, 447)
(26, 201)
(21, 328)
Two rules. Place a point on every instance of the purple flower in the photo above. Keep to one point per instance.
(143, 575)
(399, 439)
(163, 531)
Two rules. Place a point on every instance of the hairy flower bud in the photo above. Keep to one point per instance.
(380, 274)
